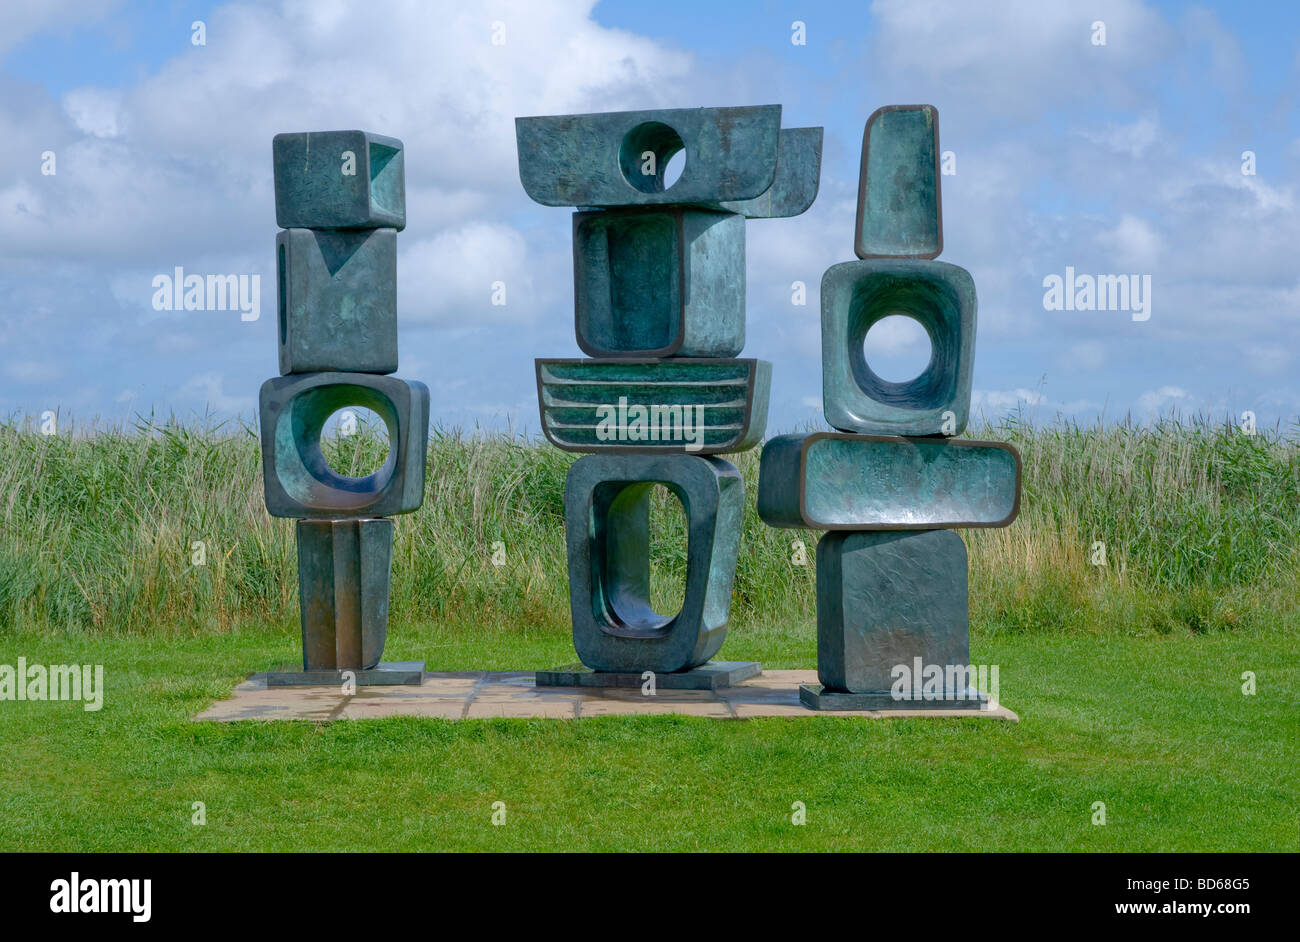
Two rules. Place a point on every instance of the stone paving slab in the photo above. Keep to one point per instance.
(386, 673)
(711, 676)
(458, 695)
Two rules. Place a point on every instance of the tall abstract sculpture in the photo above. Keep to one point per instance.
(659, 299)
(340, 198)
(890, 485)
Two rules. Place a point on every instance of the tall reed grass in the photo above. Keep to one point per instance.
(1200, 525)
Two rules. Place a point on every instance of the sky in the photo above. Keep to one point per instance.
(1122, 158)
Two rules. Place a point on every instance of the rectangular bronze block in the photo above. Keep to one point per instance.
(888, 602)
(344, 574)
(834, 481)
(337, 300)
(659, 283)
(619, 158)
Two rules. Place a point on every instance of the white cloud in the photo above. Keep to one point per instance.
(1017, 58)
(1132, 139)
(1134, 245)
(19, 22)
(32, 371)
(1002, 400)
(95, 111)
(1157, 402)
(208, 388)
(181, 161)
(450, 278)
(897, 334)
(1067, 153)
(175, 169)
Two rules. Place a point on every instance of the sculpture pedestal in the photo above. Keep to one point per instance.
(817, 697)
(385, 673)
(711, 676)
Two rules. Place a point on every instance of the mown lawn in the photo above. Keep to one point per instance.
(1154, 726)
(1150, 567)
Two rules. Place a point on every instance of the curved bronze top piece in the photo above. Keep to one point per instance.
(617, 159)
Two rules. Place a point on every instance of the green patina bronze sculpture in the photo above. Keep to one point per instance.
(340, 197)
(659, 303)
(891, 484)
(659, 285)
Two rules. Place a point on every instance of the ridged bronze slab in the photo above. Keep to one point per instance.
(730, 396)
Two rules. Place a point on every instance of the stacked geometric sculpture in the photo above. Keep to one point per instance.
(659, 307)
(340, 198)
(890, 485)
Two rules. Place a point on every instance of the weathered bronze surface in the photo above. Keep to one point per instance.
(618, 158)
(892, 581)
(339, 180)
(607, 527)
(939, 296)
(337, 300)
(659, 301)
(798, 176)
(659, 283)
(344, 573)
(832, 481)
(900, 213)
(341, 197)
(299, 482)
(645, 399)
(886, 599)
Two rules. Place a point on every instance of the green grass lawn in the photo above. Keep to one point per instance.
(1155, 726)
(1126, 672)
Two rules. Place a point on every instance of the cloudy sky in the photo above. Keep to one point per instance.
(1122, 158)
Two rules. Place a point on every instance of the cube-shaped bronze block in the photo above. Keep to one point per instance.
(299, 482)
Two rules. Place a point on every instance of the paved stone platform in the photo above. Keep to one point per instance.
(710, 676)
(386, 673)
(484, 694)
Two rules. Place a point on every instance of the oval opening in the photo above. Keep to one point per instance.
(897, 348)
(354, 442)
(668, 540)
(652, 157)
(673, 169)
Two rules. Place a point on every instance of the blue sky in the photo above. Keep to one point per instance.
(1115, 159)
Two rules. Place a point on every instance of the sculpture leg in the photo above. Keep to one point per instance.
(344, 575)
(893, 628)
(615, 628)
